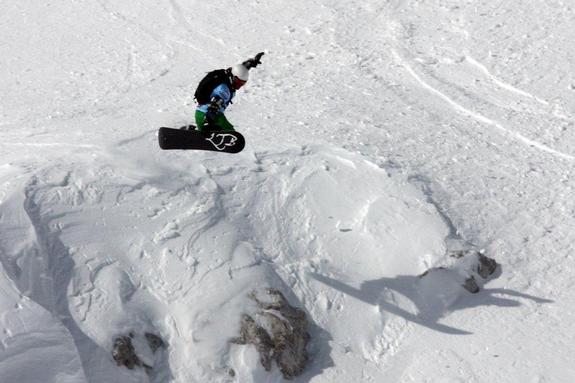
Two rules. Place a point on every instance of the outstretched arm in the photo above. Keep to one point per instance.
(254, 61)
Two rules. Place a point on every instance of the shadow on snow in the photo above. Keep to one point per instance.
(372, 292)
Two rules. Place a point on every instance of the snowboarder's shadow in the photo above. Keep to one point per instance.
(377, 292)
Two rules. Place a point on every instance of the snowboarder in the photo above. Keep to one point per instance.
(216, 91)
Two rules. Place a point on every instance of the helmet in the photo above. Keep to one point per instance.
(241, 72)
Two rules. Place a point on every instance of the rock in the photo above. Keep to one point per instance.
(124, 353)
(468, 266)
(458, 254)
(289, 335)
(252, 333)
(471, 285)
(287, 339)
(426, 272)
(486, 267)
(154, 341)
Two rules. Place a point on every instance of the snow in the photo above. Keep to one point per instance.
(380, 138)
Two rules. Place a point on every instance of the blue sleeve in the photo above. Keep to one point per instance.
(223, 92)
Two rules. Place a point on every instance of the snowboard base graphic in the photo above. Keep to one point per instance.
(180, 139)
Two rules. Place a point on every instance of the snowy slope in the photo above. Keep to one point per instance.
(381, 136)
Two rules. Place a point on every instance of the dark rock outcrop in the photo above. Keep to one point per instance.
(472, 266)
(252, 333)
(154, 341)
(471, 285)
(486, 266)
(280, 334)
(124, 353)
(475, 264)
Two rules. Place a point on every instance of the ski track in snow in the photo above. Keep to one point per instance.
(502, 84)
(479, 117)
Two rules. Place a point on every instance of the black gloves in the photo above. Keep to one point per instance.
(215, 104)
(253, 62)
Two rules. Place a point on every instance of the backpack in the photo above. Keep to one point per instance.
(209, 83)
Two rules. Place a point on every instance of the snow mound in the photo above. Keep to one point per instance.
(174, 246)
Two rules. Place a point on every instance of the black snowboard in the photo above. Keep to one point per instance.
(226, 142)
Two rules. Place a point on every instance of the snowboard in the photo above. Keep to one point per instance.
(225, 142)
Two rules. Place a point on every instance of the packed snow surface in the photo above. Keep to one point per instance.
(381, 137)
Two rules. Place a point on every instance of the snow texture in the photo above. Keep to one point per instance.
(381, 137)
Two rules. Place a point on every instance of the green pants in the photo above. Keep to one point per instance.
(220, 123)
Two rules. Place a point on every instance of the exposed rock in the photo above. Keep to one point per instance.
(287, 339)
(458, 254)
(486, 267)
(433, 268)
(124, 353)
(289, 335)
(252, 333)
(469, 265)
(154, 341)
(471, 285)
